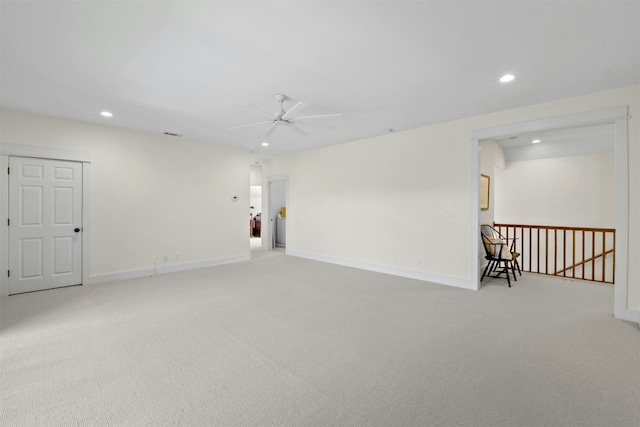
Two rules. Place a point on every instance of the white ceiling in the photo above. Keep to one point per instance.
(563, 142)
(186, 66)
(603, 132)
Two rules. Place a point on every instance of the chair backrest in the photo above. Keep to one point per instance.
(495, 245)
(489, 231)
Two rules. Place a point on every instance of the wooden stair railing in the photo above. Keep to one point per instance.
(578, 264)
(574, 252)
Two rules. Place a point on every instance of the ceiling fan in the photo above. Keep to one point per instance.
(285, 118)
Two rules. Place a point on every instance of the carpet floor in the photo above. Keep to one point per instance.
(284, 341)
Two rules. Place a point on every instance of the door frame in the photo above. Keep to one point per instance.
(619, 117)
(17, 150)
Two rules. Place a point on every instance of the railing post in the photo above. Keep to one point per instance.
(546, 251)
(573, 254)
(613, 272)
(564, 253)
(593, 254)
(530, 251)
(538, 250)
(583, 245)
(604, 257)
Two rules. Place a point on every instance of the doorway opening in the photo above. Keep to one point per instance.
(277, 213)
(255, 205)
(553, 194)
(255, 217)
(618, 116)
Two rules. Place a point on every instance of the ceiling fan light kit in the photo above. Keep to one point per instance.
(284, 117)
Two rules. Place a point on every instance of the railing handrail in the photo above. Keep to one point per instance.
(555, 227)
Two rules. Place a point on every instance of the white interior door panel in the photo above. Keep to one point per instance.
(45, 224)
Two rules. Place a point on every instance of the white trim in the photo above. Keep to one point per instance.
(18, 150)
(281, 177)
(621, 162)
(43, 152)
(426, 277)
(604, 115)
(617, 115)
(475, 213)
(86, 227)
(4, 231)
(152, 271)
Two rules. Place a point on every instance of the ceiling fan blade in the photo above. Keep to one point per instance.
(258, 109)
(271, 130)
(318, 116)
(297, 129)
(299, 106)
(252, 124)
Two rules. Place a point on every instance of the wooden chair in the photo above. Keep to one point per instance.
(495, 234)
(501, 255)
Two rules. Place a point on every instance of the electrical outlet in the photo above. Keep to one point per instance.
(165, 259)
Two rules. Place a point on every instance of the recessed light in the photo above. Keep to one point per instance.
(507, 78)
(265, 144)
(535, 141)
(106, 114)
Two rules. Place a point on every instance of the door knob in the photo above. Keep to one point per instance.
(77, 230)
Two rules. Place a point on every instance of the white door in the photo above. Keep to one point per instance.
(45, 224)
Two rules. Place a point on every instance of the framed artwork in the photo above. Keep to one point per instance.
(484, 192)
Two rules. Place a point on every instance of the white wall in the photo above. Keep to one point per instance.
(255, 175)
(401, 202)
(386, 203)
(492, 162)
(568, 191)
(151, 195)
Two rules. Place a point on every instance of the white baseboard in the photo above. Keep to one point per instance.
(433, 278)
(152, 271)
(632, 316)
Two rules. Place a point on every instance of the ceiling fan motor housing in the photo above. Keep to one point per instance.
(280, 98)
(282, 117)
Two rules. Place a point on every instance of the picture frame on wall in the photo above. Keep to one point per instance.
(484, 192)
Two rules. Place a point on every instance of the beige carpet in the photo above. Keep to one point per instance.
(282, 341)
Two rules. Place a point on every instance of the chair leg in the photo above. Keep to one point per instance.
(495, 265)
(502, 267)
(485, 270)
(506, 272)
(499, 267)
(513, 270)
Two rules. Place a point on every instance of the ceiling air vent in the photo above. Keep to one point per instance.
(172, 134)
